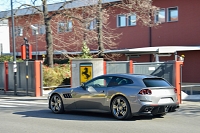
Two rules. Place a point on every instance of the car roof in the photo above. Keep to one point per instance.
(139, 76)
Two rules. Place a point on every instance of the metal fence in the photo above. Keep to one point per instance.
(2, 76)
(160, 69)
(193, 89)
(27, 85)
(117, 67)
(26, 78)
(22, 86)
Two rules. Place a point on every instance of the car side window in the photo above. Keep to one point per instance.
(124, 81)
(99, 82)
(117, 81)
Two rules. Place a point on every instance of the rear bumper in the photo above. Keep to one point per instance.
(157, 109)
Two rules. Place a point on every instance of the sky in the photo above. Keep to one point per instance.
(5, 5)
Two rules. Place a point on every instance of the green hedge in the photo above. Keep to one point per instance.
(8, 58)
(58, 75)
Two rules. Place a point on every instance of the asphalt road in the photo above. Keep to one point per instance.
(33, 116)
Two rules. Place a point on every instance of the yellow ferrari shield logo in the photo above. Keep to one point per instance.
(85, 72)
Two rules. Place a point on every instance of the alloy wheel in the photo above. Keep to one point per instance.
(120, 108)
(56, 104)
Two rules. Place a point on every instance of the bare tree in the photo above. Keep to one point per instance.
(144, 9)
(90, 23)
(101, 34)
(87, 29)
(47, 17)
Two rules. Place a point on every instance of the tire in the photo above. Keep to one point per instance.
(160, 115)
(173, 109)
(56, 104)
(120, 108)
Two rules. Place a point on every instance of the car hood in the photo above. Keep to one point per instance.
(63, 90)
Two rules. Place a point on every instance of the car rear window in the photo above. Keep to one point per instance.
(155, 82)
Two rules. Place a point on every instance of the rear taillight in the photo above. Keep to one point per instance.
(175, 90)
(145, 92)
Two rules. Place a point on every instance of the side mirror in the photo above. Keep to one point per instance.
(83, 86)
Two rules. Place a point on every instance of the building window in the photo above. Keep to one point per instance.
(121, 20)
(92, 25)
(69, 26)
(65, 27)
(18, 31)
(173, 14)
(41, 29)
(61, 27)
(160, 16)
(132, 20)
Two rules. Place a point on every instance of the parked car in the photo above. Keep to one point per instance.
(124, 95)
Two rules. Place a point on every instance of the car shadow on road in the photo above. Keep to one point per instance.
(76, 115)
(190, 110)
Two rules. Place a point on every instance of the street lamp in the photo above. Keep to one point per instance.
(36, 43)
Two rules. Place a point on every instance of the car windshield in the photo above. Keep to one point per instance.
(155, 82)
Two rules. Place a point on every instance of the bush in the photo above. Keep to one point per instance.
(8, 58)
(57, 61)
(57, 75)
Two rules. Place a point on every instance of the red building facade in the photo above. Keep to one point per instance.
(179, 26)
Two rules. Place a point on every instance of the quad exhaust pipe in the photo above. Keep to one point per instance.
(167, 108)
(148, 109)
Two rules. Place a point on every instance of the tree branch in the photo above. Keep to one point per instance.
(25, 5)
(60, 8)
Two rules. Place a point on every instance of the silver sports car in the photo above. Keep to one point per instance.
(124, 95)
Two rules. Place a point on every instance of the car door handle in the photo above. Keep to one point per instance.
(102, 91)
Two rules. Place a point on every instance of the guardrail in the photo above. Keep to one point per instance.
(191, 89)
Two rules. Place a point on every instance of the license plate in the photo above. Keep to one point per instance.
(165, 100)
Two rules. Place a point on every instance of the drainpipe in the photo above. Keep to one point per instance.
(150, 42)
(175, 56)
(157, 57)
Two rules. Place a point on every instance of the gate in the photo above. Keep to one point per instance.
(113, 67)
(161, 69)
(29, 78)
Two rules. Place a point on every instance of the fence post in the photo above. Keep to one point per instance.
(71, 73)
(41, 79)
(178, 79)
(6, 76)
(131, 66)
(37, 79)
(104, 67)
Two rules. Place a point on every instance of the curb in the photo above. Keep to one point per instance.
(21, 94)
(22, 97)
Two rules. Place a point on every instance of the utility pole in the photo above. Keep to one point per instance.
(14, 49)
(99, 30)
(150, 33)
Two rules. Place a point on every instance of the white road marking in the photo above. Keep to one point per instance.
(27, 102)
(10, 103)
(7, 106)
(16, 103)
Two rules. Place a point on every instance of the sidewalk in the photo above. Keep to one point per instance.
(190, 102)
(23, 97)
(45, 94)
(10, 95)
